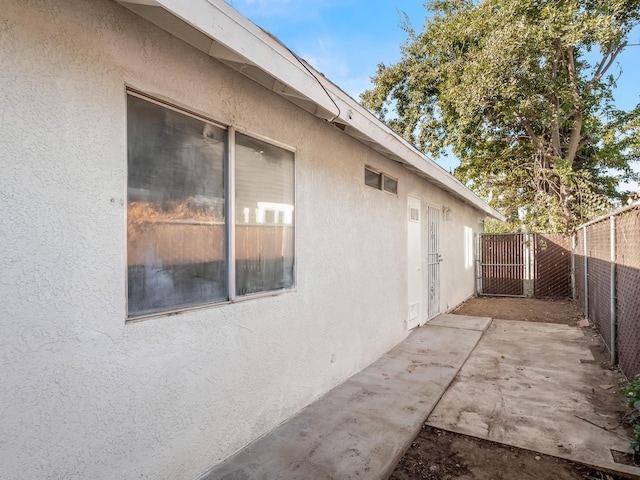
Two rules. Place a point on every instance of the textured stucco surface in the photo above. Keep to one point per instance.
(86, 395)
(361, 428)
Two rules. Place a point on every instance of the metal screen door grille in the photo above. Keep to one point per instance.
(503, 264)
(433, 261)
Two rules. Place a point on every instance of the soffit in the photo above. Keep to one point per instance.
(215, 28)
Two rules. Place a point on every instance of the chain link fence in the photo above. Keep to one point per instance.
(606, 265)
(503, 266)
(524, 265)
(599, 277)
(552, 266)
(628, 291)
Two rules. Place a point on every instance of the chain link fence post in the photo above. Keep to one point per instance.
(586, 272)
(573, 266)
(612, 240)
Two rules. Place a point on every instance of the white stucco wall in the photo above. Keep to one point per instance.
(457, 277)
(86, 395)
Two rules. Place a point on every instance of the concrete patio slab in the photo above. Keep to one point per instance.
(361, 428)
(528, 385)
(462, 321)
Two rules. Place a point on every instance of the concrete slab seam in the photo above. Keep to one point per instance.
(415, 432)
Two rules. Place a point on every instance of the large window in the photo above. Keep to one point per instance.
(264, 216)
(177, 228)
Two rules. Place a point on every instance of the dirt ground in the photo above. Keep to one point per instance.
(523, 309)
(441, 455)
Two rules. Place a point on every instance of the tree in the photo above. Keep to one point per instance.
(521, 92)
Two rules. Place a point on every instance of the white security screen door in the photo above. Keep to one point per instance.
(433, 261)
(414, 262)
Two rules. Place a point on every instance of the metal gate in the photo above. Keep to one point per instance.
(503, 265)
(523, 265)
(433, 261)
(552, 261)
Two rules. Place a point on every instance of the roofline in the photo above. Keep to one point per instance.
(362, 120)
(217, 29)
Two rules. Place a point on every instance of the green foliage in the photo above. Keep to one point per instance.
(635, 441)
(496, 226)
(510, 86)
(632, 391)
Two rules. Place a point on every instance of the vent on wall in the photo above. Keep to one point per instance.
(414, 310)
(414, 214)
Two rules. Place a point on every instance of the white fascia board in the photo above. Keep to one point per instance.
(226, 27)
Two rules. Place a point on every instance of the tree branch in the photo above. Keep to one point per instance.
(526, 124)
(555, 124)
(576, 129)
(605, 64)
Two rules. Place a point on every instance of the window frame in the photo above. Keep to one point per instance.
(383, 176)
(229, 209)
(367, 169)
(386, 177)
(233, 297)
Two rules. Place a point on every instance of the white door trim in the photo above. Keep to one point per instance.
(415, 277)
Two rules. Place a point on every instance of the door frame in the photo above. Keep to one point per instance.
(415, 310)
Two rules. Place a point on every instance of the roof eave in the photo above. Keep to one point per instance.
(215, 28)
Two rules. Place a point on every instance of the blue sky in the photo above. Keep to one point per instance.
(344, 39)
(347, 39)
